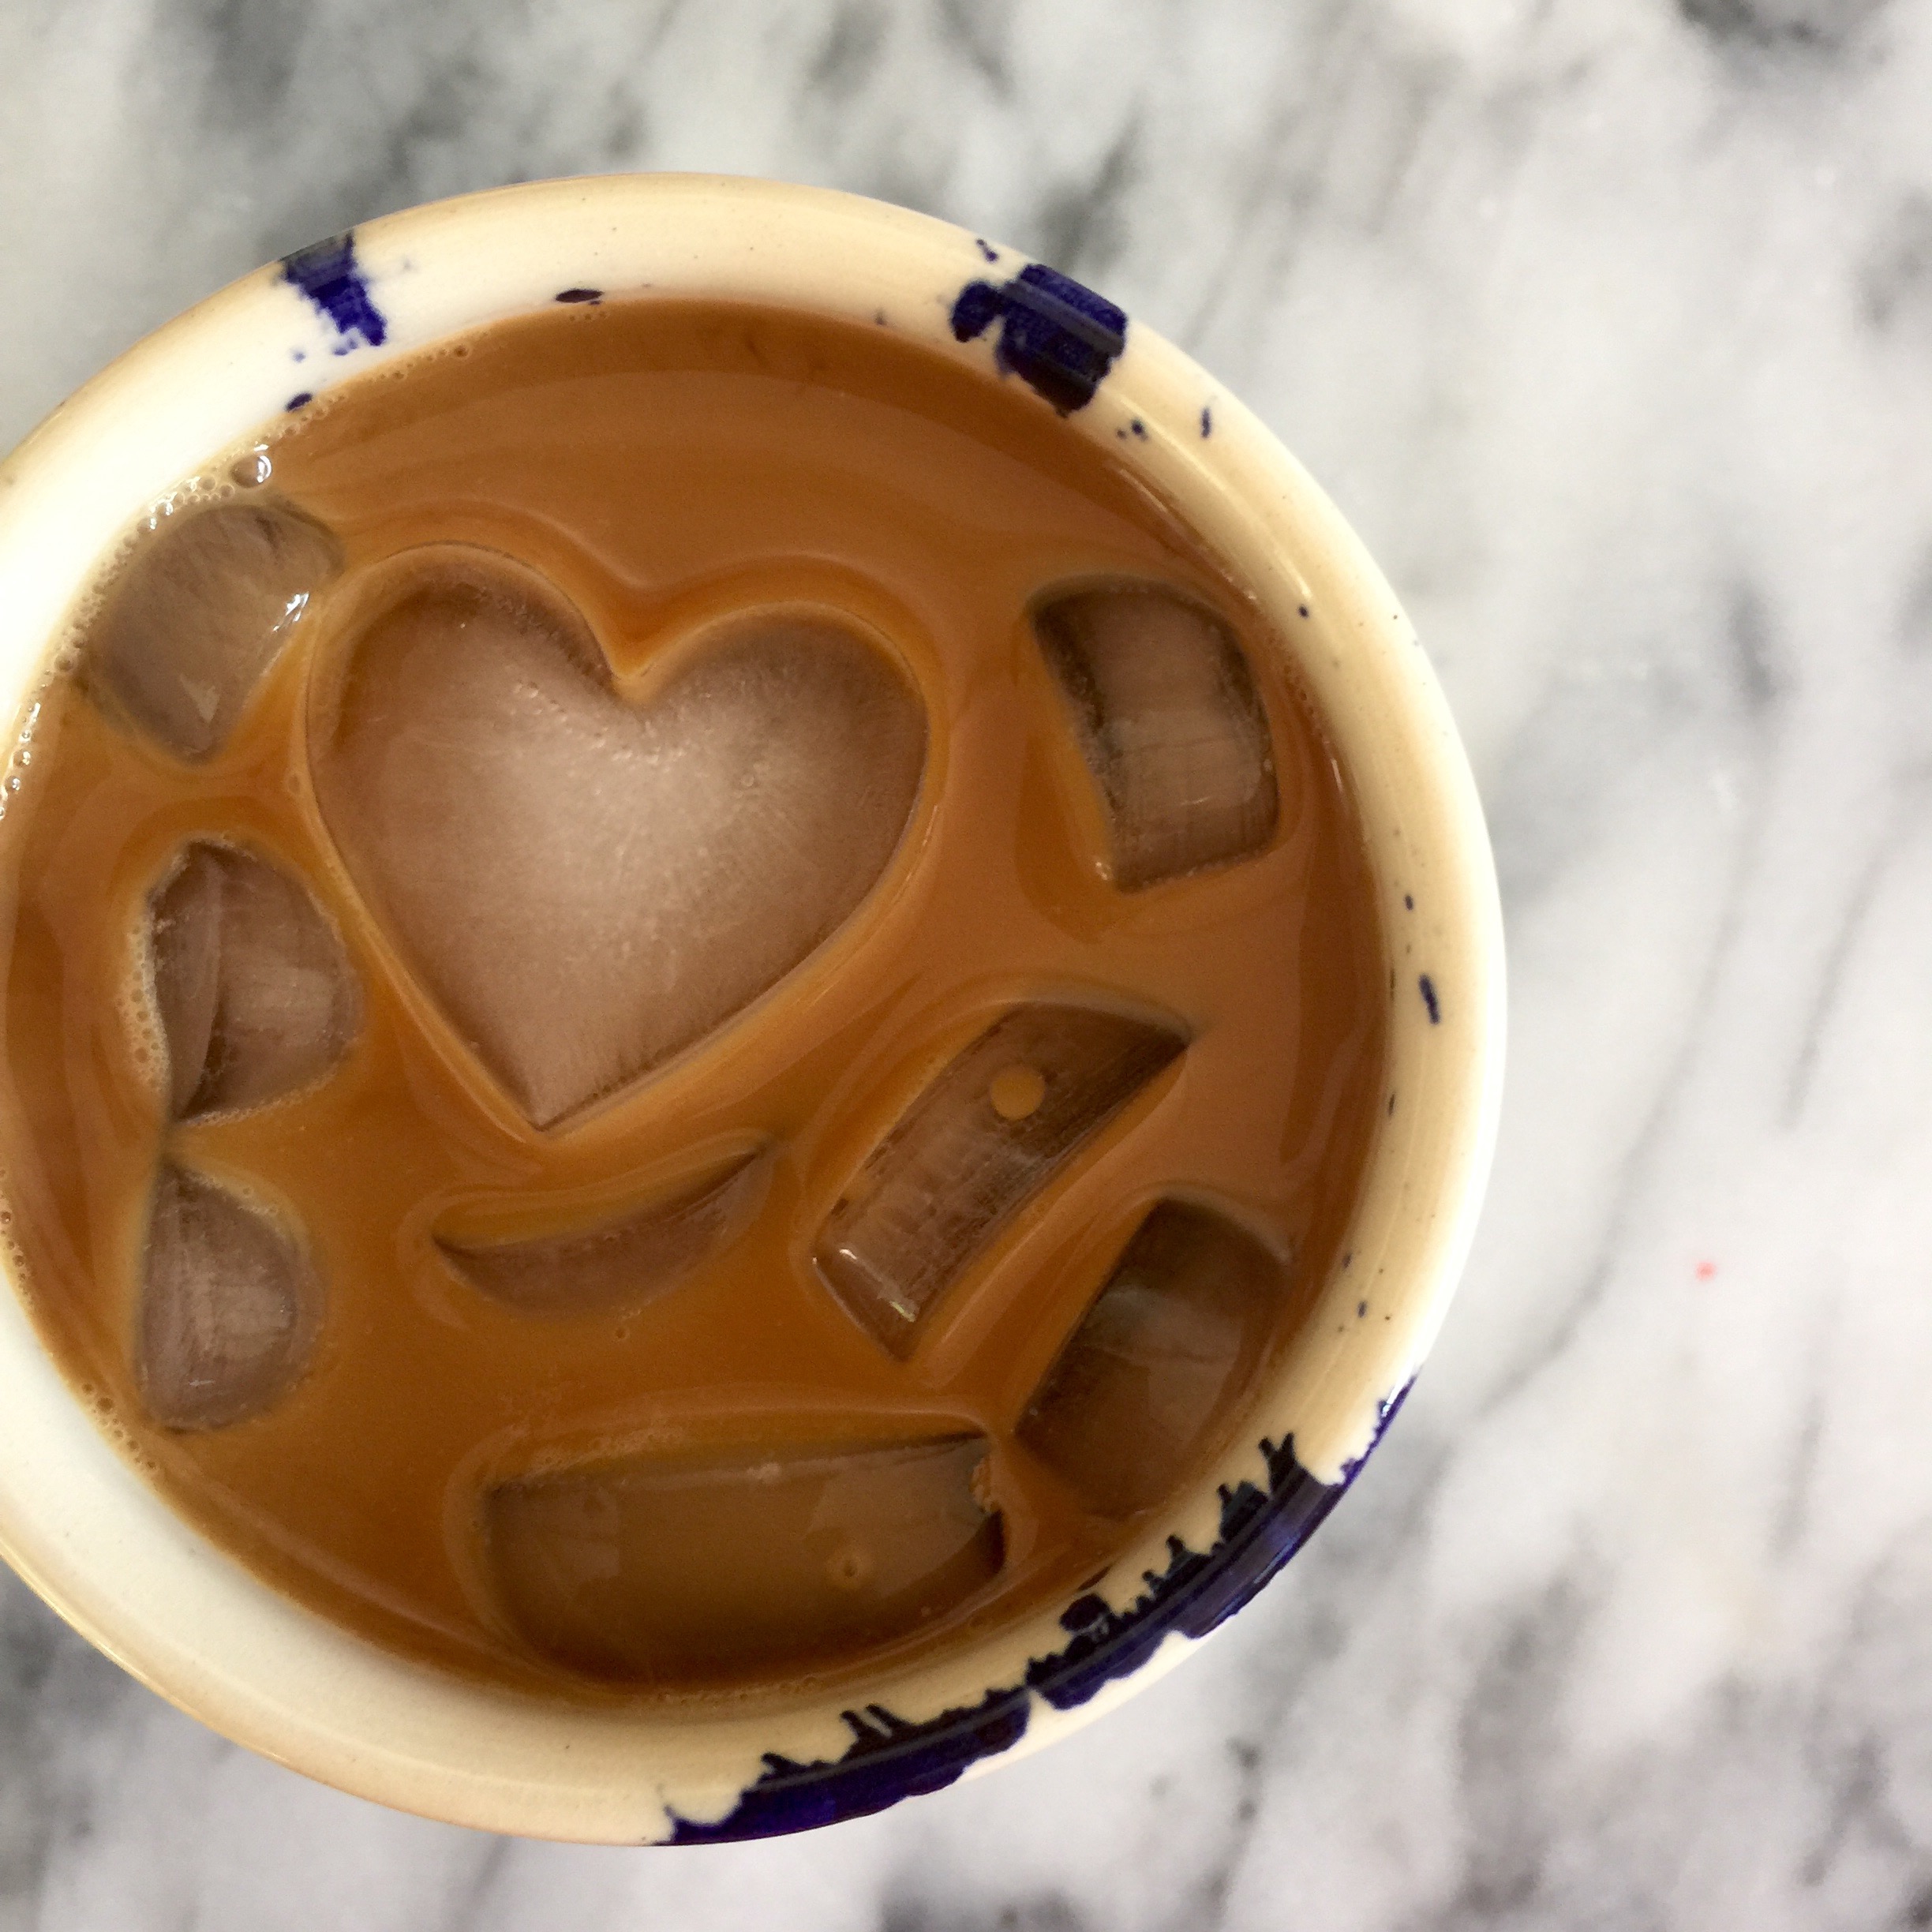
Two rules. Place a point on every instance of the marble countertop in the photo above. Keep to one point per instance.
(1609, 324)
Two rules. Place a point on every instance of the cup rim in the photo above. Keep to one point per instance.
(77, 1520)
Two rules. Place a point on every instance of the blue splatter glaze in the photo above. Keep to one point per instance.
(889, 1759)
(300, 400)
(1206, 421)
(579, 295)
(1385, 1414)
(1196, 1592)
(1429, 1000)
(327, 273)
(1057, 336)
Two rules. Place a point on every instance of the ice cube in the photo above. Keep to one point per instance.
(199, 613)
(989, 1132)
(1160, 1359)
(587, 884)
(230, 1306)
(256, 996)
(750, 1561)
(618, 1262)
(1170, 724)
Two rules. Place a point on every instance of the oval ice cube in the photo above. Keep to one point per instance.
(199, 612)
(618, 1260)
(230, 1306)
(986, 1135)
(746, 1561)
(1162, 1355)
(1171, 726)
(255, 994)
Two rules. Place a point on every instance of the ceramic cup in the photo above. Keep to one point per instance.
(81, 1525)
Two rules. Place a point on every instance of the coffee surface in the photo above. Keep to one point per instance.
(710, 1026)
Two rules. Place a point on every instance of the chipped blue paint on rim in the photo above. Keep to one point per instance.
(889, 1759)
(1056, 335)
(328, 274)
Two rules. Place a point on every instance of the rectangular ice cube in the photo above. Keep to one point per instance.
(723, 1564)
(1172, 727)
(1164, 1353)
(229, 1307)
(199, 612)
(988, 1132)
(256, 996)
(621, 1260)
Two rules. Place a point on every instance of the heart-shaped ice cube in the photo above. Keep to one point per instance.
(587, 884)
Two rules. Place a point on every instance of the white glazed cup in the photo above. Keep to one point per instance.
(80, 1524)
